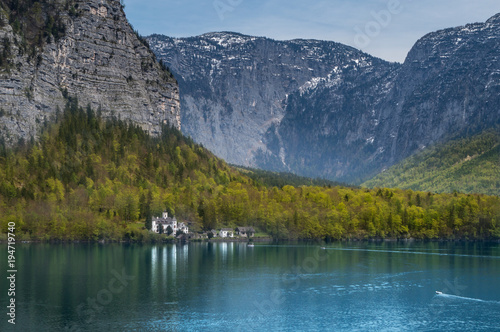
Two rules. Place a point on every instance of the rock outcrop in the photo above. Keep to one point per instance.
(85, 49)
(322, 109)
(448, 86)
(233, 87)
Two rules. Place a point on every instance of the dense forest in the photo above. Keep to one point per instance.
(88, 178)
(468, 165)
(281, 179)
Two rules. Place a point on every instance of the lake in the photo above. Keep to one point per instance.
(230, 286)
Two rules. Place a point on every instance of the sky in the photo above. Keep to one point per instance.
(383, 28)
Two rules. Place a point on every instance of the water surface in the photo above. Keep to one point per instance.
(229, 286)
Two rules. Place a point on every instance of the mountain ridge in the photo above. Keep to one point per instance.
(217, 74)
(335, 124)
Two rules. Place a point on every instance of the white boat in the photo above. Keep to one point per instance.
(438, 292)
(250, 245)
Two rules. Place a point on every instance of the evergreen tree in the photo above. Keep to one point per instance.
(149, 220)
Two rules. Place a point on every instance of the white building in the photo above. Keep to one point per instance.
(164, 222)
(226, 232)
(182, 227)
(245, 231)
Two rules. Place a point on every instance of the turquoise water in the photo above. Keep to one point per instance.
(229, 286)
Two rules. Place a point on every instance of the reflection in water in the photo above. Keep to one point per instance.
(173, 260)
(184, 253)
(154, 264)
(223, 249)
(223, 286)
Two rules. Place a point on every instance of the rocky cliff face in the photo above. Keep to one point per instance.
(324, 109)
(233, 87)
(79, 48)
(329, 129)
(448, 86)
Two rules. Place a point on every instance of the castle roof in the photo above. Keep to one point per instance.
(165, 220)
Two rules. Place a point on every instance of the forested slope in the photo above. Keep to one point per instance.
(469, 165)
(89, 179)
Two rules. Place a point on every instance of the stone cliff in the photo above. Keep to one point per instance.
(448, 86)
(323, 109)
(87, 49)
(233, 86)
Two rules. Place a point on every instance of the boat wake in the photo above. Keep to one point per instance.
(413, 252)
(463, 298)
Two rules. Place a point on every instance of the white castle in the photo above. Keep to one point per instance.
(165, 221)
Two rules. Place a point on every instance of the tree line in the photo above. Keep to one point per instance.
(89, 178)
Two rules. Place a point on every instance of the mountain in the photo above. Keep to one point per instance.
(351, 117)
(448, 85)
(77, 79)
(52, 49)
(328, 129)
(468, 165)
(234, 87)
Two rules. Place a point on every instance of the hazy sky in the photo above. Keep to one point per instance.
(384, 28)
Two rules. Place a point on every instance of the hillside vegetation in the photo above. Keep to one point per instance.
(468, 165)
(87, 178)
(281, 179)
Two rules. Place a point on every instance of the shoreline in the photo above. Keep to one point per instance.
(255, 240)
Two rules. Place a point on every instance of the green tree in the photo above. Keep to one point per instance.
(149, 219)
